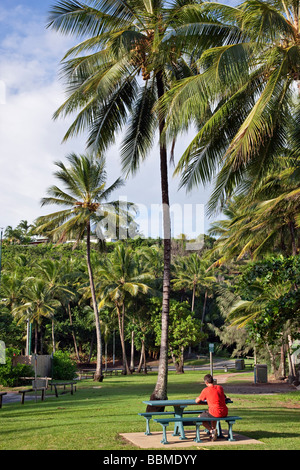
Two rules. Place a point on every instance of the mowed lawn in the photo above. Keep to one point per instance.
(97, 413)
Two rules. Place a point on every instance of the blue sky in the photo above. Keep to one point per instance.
(30, 141)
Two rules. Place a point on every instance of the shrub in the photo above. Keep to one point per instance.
(10, 376)
(63, 367)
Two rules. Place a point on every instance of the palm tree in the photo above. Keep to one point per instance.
(191, 273)
(84, 198)
(11, 288)
(73, 275)
(37, 303)
(124, 39)
(120, 280)
(52, 271)
(243, 99)
(261, 220)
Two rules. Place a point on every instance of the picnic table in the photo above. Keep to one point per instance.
(178, 412)
(111, 372)
(56, 385)
(86, 373)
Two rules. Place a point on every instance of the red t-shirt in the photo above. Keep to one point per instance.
(215, 397)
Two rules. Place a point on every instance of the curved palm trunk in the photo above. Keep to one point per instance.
(193, 296)
(72, 331)
(98, 375)
(121, 320)
(160, 390)
(132, 352)
(203, 313)
(53, 337)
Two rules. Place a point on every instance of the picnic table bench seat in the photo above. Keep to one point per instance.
(1, 395)
(149, 415)
(28, 390)
(72, 385)
(196, 421)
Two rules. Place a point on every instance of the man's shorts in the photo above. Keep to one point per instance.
(206, 414)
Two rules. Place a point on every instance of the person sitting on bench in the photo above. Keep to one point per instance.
(215, 397)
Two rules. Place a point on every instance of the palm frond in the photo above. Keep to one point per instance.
(141, 128)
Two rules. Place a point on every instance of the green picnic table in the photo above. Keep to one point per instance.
(178, 411)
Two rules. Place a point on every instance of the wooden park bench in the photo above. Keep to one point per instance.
(56, 385)
(111, 372)
(28, 390)
(147, 367)
(196, 421)
(85, 373)
(249, 364)
(1, 395)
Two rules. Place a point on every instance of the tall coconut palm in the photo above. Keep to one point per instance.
(191, 273)
(37, 303)
(247, 82)
(121, 40)
(120, 279)
(84, 198)
(53, 273)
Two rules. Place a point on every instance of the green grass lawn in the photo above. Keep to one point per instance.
(94, 416)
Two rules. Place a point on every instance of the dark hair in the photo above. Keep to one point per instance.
(209, 379)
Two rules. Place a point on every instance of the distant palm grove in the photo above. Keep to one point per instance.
(152, 70)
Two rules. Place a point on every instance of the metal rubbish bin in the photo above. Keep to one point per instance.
(239, 364)
(261, 373)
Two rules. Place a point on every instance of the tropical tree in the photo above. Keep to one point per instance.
(54, 274)
(121, 40)
(269, 304)
(37, 303)
(118, 280)
(85, 203)
(191, 273)
(11, 289)
(261, 220)
(184, 329)
(243, 99)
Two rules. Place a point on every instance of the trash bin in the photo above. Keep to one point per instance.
(261, 373)
(239, 364)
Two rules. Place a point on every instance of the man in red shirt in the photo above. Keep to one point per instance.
(215, 397)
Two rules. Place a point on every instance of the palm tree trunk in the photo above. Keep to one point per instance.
(73, 334)
(114, 347)
(132, 352)
(106, 356)
(141, 357)
(293, 240)
(203, 314)
(35, 338)
(98, 375)
(91, 348)
(53, 337)
(121, 319)
(193, 297)
(192, 310)
(160, 390)
(292, 370)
